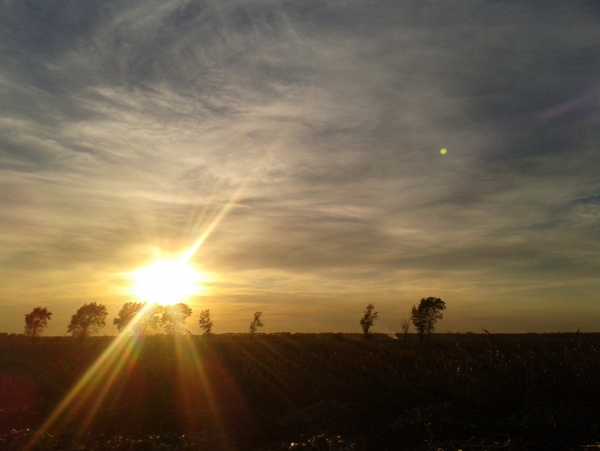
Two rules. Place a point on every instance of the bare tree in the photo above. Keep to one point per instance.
(426, 315)
(205, 323)
(88, 319)
(255, 324)
(405, 327)
(36, 321)
(368, 319)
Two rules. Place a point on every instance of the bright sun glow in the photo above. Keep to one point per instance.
(166, 282)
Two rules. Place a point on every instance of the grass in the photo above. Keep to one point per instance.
(307, 391)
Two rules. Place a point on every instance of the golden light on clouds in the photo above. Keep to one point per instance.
(313, 160)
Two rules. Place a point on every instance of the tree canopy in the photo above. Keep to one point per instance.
(426, 315)
(36, 321)
(172, 317)
(141, 318)
(205, 322)
(255, 324)
(90, 318)
(126, 315)
(368, 319)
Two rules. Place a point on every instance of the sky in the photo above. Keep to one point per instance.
(297, 145)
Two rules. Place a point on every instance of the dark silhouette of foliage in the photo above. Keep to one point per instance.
(255, 324)
(426, 315)
(368, 319)
(205, 322)
(36, 321)
(88, 319)
(127, 313)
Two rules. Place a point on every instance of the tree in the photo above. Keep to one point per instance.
(88, 319)
(173, 317)
(126, 315)
(140, 318)
(205, 322)
(152, 318)
(426, 315)
(405, 327)
(368, 319)
(36, 321)
(255, 324)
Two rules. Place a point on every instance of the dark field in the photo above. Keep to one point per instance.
(318, 392)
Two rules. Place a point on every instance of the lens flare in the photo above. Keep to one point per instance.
(171, 281)
(86, 397)
(166, 282)
(163, 282)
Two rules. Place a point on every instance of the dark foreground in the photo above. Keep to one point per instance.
(289, 392)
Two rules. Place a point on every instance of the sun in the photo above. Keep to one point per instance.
(166, 282)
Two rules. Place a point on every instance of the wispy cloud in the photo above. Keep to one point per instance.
(127, 127)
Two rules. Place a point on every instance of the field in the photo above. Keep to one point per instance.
(301, 391)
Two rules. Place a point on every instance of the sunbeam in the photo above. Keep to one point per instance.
(90, 391)
(195, 388)
(211, 227)
(154, 283)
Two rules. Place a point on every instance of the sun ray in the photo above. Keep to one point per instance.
(193, 382)
(172, 280)
(213, 224)
(94, 386)
(88, 394)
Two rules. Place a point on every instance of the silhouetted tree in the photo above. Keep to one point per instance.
(205, 323)
(405, 327)
(368, 319)
(255, 324)
(88, 319)
(173, 317)
(426, 315)
(127, 313)
(36, 321)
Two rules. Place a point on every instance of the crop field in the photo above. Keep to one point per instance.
(301, 391)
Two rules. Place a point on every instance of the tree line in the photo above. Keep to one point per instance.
(138, 318)
(424, 317)
(141, 318)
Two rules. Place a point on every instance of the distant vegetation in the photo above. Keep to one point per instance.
(368, 319)
(302, 391)
(255, 324)
(89, 319)
(157, 386)
(36, 321)
(205, 323)
(426, 315)
(142, 318)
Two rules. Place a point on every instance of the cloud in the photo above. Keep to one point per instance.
(128, 127)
